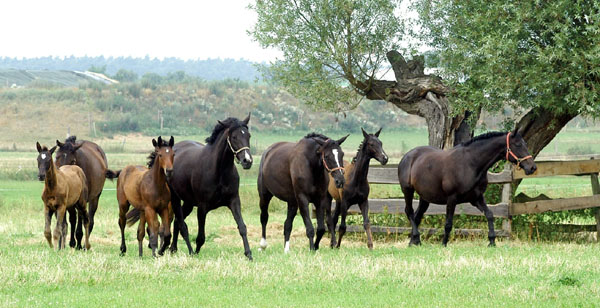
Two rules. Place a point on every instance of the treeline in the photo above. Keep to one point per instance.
(210, 69)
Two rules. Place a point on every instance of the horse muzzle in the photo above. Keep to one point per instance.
(169, 173)
(246, 160)
(530, 170)
(41, 177)
(383, 159)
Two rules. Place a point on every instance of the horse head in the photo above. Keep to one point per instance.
(66, 152)
(238, 140)
(164, 155)
(374, 146)
(517, 153)
(44, 160)
(332, 158)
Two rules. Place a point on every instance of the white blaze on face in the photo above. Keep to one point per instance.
(335, 155)
(247, 155)
(167, 150)
(43, 156)
(287, 247)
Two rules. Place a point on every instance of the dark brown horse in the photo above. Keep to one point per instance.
(92, 160)
(458, 175)
(356, 189)
(205, 176)
(146, 189)
(297, 174)
(65, 189)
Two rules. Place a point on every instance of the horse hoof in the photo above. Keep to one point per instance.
(263, 244)
(72, 244)
(492, 245)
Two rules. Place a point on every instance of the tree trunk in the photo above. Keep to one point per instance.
(422, 95)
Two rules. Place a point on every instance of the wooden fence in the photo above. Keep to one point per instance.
(505, 209)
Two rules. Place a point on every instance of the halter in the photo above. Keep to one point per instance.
(234, 151)
(509, 151)
(327, 168)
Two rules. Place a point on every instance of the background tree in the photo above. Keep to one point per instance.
(124, 75)
(538, 57)
(335, 50)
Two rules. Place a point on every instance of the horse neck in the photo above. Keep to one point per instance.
(221, 153)
(157, 175)
(486, 154)
(361, 166)
(51, 175)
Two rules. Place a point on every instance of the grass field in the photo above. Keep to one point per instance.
(465, 274)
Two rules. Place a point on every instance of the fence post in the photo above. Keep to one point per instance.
(507, 198)
(596, 191)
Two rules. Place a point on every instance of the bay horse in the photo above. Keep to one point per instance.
(65, 189)
(92, 160)
(146, 189)
(356, 189)
(458, 175)
(205, 176)
(297, 173)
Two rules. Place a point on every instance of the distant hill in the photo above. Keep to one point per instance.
(19, 78)
(210, 69)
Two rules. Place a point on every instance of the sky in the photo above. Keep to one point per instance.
(198, 29)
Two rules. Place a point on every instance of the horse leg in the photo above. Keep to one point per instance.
(152, 221)
(73, 223)
(236, 210)
(450, 207)
(334, 221)
(141, 233)
(480, 204)
(201, 238)
(423, 206)
(79, 232)
(329, 220)
(265, 199)
(415, 236)
(321, 220)
(165, 231)
(179, 224)
(364, 210)
(85, 219)
(58, 230)
(92, 207)
(344, 212)
(287, 226)
(123, 208)
(48, 217)
(303, 203)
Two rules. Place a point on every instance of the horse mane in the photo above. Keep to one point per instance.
(69, 144)
(153, 154)
(485, 136)
(316, 135)
(360, 148)
(219, 128)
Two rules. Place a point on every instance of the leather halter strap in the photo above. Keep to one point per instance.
(509, 151)
(234, 151)
(327, 167)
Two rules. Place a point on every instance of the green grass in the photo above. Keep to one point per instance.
(466, 274)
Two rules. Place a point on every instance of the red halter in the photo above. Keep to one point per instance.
(326, 167)
(509, 151)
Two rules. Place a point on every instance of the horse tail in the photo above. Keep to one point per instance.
(112, 174)
(133, 216)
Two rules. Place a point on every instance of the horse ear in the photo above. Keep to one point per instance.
(219, 121)
(52, 150)
(59, 144)
(171, 142)
(75, 148)
(154, 142)
(160, 141)
(515, 131)
(341, 140)
(247, 119)
(38, 146)
(319, 141)
(365, 134)
(379, 131)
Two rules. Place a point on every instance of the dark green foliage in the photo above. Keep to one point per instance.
(124, 75)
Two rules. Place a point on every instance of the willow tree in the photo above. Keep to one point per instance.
(538, 57)
(334, 51)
